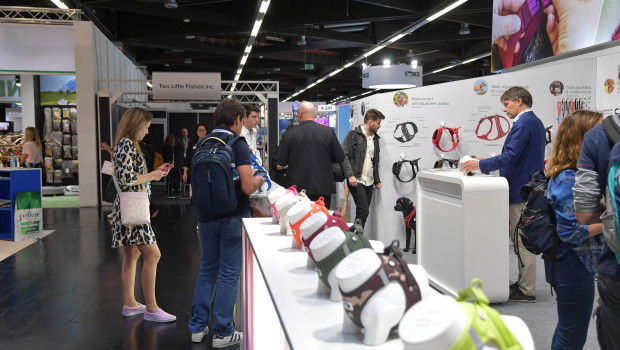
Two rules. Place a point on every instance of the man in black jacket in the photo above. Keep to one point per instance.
(309, 150)
(361, 162)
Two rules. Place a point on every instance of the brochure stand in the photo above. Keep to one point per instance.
(462, 226)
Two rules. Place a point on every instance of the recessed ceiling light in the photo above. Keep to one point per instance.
(188, 37)
(171, 4)
(186, 20)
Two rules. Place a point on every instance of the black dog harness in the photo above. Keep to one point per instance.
(454, 134)
(405, 135)
(548, 131)
(452, 163)
(396, 168)
(495, 121)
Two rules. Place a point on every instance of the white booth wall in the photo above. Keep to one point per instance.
(456, 104)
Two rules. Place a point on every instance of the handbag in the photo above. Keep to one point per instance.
(134, 206)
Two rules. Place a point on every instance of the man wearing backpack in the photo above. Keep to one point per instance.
(220, 234)
(309, 150)
(522, 155)
(590, 186)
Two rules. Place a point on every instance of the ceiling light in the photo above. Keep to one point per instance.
(264, 6)
(186, 20)
(187, 61)
(256, 28)
(149, 84)
(396, 38)
(364, 65)
(248, 49)
(386, 62)
(171, 4)
(60, 4)
(414, 63)
(379, 47)
(302, 40)
(244, 59)
(239, 71)
(188, 37)
(335, 72)
(348, 65)
(446, 10)
(442, 69)
(166, 65)
(464, 29)
(18, 81)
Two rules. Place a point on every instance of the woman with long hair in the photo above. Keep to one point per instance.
(130, 170)
(31, 151)
(580, 245)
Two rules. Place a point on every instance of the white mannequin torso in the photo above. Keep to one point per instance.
(327, 242)
(273, 198)
(312, 224)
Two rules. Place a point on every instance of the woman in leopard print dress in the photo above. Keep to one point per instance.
(131, 172)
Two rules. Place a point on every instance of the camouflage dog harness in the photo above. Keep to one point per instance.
(393, 268)
(353, 242)
(483, 324)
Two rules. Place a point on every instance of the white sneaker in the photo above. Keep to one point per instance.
(221, 342)
(197, 337)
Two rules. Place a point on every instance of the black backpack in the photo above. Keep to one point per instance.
(537, 225)
(214, 176)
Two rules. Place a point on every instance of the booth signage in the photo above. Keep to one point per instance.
(187, 86)
(9, 92)
(326, 108)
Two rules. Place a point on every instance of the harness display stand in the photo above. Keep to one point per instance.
(463, 231)
(386, 305)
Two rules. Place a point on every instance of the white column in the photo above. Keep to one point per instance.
(27, 100)
(87, 114)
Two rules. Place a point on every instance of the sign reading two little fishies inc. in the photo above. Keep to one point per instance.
(187, 86)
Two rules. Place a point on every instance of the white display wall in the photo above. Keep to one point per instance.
(556, 90)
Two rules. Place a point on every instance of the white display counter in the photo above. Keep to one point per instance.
(281, 306)
(462, 229)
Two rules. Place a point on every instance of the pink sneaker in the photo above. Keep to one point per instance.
(159, 316)
(130, 311)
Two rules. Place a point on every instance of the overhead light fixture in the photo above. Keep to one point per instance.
(444, 68)
(364, 65)
(149, 84)
(464, 29)
(187, 61)
(18, 81)
(301, 41)
(262, 11)
(263, 7)
(188, 37)
(171, 4)
(446, 10)
(166, 64)
(186, 20)
(60, 4)
(477, 57)
(386, 62)
(414, 63)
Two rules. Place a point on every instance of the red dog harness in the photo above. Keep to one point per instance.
(495, 120)
(454, 135)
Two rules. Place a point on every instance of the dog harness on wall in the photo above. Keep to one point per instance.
(496, 121)
(396, 168)
(548, 132)
(317, 206)
(353, 242)
(483, 325)
(532, 15)
(405, 134)
(454, 135)
(393, 268)
(452, 163)
(332, 221)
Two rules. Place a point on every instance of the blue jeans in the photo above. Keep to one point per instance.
(574, 288)
(221, 262)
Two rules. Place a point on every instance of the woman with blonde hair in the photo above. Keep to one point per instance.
(130, 170)
(31, 151)
(580, 245)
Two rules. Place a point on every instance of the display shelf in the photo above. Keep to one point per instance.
(15, 180)
(307, 320)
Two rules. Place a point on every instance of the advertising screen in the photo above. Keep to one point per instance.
(529, 30)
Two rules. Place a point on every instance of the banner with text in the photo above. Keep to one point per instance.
(187, 86)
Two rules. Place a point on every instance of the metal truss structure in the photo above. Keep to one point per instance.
(35, 15)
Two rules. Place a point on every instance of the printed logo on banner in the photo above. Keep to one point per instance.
(609, 86)
(481, 87)
(556, 88)
(400, 99)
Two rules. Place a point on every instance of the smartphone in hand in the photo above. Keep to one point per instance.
(170, 166)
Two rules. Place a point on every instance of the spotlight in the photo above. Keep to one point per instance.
(171, 4)
(18, 81)
(464, 29)
(187, 61)
(386, 62)
(414, 63)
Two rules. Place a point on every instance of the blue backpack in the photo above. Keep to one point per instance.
(611, 217)
(214, 176)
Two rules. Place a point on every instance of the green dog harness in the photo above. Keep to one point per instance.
(483, 323)
(353, 242)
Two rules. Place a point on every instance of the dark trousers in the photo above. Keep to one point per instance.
(574, 287)
(326, 197)
(608, 312)
(361, 196)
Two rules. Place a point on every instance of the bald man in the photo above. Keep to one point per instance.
(309, 150)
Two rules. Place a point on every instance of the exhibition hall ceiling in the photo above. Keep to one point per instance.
(299, 41)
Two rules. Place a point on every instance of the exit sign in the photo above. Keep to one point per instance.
(309, 66)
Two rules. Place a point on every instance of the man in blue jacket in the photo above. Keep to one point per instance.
(522, 155)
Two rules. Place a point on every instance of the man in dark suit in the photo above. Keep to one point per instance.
(180, 149)
(309, 150)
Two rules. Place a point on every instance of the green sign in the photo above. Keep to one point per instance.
(309, 66)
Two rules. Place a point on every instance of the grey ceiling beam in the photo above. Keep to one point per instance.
(399, 5)
(322, 34)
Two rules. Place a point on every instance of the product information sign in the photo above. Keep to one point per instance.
(187, 86)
